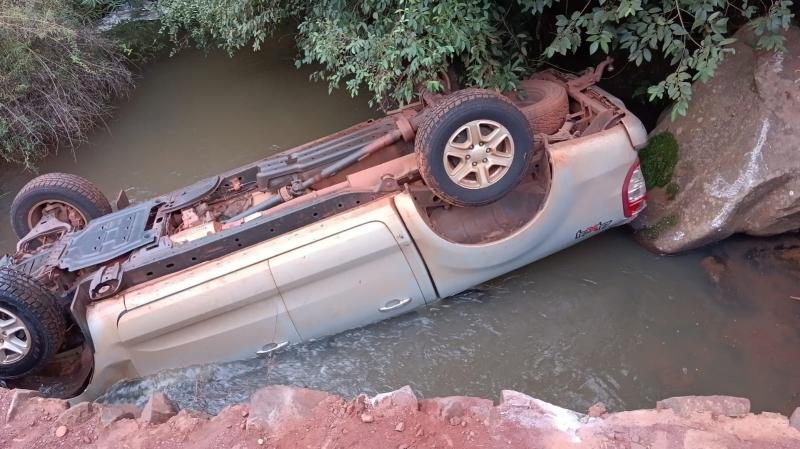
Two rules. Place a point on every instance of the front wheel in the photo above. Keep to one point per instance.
(31, 325)
(475, 147)
(69, 198)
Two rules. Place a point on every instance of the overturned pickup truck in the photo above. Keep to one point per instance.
(374, 221)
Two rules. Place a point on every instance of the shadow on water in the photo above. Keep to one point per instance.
(602, 321)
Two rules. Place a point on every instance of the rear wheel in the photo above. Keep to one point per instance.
(475, 147)
(70, 198)
(31, 325)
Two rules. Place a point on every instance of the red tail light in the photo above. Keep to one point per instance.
(633, 191)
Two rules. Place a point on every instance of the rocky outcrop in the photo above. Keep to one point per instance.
(717, 405)
(109, 414)
(270, 406)
(289, 417)
(739, 167)
(159, 409)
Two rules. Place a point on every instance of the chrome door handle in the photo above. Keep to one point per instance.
(270, 348)
(394, 304)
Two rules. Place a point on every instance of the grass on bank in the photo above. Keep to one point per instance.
(57, 78)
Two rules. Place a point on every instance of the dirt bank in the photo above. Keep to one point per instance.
(288, 417)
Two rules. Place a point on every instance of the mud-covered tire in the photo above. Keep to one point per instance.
(72, 190)
(546, 105)
(44, 326)
(452, 113)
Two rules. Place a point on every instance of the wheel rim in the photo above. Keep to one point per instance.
(15, 338)
(60, 209)
(479, 154)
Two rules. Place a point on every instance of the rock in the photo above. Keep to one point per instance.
(61, 431)
(367, 418)
(27, 402)
(737, 169)
(273, 404)
(714, 267)
(402, 398)
(401, 426)
(794, 420)
(402, 446)
(718, 405)
(511, 398)
(518, 410)
(76, 415)
(18, 398)
(457, 407)
(597, 410)
(159, 409)
(187, 420)
(112, 413)
(49, 407)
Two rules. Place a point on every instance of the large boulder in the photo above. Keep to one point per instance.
(738, 168)
(276, 404)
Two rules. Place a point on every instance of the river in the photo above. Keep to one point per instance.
(602, 321)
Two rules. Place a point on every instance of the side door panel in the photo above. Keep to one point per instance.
(216, 316)
(347, 280)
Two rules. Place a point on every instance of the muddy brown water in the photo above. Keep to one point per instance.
(602, 321)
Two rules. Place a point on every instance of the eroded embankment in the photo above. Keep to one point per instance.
(289, 417)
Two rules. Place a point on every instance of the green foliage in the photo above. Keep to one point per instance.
(692, 35)
(97, 7)
(666, 222)
(140, 41)
(231, 24)
(56, 78)
(392, 47)
(672, 190)
(658, 160)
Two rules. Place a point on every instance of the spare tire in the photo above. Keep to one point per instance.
(473, 147)
(31, 325)
(75, 200)
(544, 103)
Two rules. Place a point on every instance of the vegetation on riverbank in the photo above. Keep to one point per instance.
(59, 74)
(57, 77)
(652, 232)
(391, 47)
(658, 160)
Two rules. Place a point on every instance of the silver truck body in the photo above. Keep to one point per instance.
(376, 261)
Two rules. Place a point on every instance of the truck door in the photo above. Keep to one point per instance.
(350, 279)
(226, 309)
